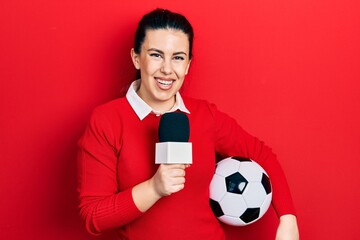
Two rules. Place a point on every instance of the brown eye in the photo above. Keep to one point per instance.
(179, 58)
(156, 55)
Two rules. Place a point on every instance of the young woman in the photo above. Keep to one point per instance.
(120, 186)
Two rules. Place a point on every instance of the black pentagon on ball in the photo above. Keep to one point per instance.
(215, 206)
(236, 183)
(265, 181)
(241, 159)
(250, 215)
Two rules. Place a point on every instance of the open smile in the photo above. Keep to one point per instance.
(164, 84)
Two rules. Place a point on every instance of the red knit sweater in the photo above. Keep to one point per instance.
(117, 152)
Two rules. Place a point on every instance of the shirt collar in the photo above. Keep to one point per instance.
(142, 109)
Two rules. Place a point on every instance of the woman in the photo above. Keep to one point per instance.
(121, 188)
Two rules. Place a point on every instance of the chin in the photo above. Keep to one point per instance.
(166, 98)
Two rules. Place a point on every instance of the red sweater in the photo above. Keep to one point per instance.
(117, 152)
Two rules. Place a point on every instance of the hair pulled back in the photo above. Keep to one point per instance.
(162, 19)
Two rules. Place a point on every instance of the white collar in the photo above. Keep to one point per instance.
(142, 109)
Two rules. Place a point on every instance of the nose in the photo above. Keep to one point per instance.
(166, 67)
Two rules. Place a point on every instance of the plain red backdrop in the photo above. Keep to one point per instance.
(288, 71)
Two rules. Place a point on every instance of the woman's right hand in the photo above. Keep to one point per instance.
(168, 179)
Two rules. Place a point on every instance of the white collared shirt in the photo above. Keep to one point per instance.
(142, 109)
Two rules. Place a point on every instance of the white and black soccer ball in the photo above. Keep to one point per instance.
(240, 191)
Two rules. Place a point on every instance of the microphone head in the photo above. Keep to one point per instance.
(174, 127)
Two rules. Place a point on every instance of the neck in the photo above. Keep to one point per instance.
(159, 106)
(162, 107)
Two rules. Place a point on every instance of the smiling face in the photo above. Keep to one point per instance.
(163, 63)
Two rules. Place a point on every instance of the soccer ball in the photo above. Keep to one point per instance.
(240, 191)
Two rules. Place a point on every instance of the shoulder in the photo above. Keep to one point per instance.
(195, 102)
(199, 105)
(113, 108)
(105, 124)
(110, 111)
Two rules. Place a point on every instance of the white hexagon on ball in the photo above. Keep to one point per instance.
(254, 195)
(219, 188)
(227, 168)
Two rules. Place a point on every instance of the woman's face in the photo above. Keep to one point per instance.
(163, 63)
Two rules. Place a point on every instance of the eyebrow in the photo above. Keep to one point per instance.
(161, 52)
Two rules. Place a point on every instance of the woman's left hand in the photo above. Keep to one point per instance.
(288, 228)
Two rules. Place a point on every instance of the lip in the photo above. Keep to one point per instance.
(164, 79)
(164, 86)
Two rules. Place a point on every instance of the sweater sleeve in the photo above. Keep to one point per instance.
(101, 204)
(232, 140)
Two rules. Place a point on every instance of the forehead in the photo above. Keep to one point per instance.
(166, 40)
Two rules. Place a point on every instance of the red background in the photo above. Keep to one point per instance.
(288, 71)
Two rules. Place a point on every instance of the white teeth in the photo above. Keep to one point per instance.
(164, 82)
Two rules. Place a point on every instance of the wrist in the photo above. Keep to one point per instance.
(288, 218)
(287, 228)
(153, 189)
(144, 195)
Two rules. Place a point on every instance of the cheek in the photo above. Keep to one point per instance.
(150, 67)
(181, 70)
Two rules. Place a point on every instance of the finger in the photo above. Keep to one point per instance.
(174, 166)
(181, 186)
(178, 187)
(172, 170)
(178, 181)
(177, 173)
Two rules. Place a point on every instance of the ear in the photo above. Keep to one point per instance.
(187, 67)
(135, 58)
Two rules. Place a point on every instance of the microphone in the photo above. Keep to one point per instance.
(174, 132)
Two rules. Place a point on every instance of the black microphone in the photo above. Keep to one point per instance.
(174, 132)
(174, 127)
